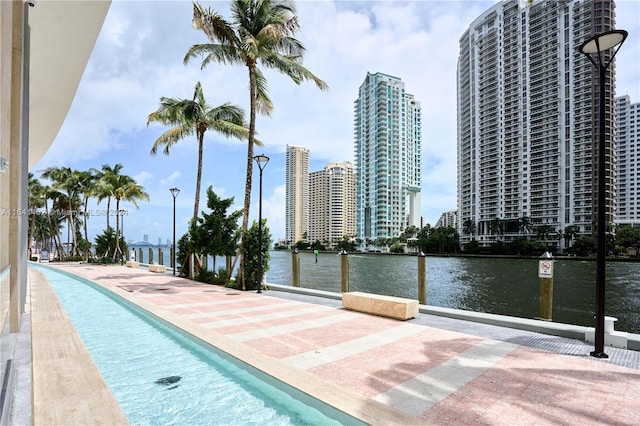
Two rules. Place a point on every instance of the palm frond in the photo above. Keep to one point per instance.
(171, 137)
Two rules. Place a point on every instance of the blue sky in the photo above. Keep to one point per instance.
(138, 59)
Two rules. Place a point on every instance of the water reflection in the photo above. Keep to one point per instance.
(501, 286)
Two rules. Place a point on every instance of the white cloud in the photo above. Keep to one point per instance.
(139, 58)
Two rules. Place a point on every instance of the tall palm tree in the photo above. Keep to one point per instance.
(87, 187)
(260, 32)
(104, 185)
(34, 202)
(195, 116)
(67, 180)
(125, 189)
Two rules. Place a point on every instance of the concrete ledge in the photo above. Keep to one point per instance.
(386, 306)
(133, 264)
(68, 388)
(158, 268)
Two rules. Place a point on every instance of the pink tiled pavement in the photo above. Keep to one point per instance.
(524, 387)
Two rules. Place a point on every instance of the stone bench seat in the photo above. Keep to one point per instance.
(157, 268)
(133, 264)
(376, 304)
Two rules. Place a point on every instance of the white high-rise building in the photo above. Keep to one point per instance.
(297, 193)
(388, 157)
(527, 129)
(332, 205)
(627, 157)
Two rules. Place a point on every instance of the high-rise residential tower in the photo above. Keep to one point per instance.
(297, 193)
(527, 128)
(627, 156)
(332, 205)
(387, 132)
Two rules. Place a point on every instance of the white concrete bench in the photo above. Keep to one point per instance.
(376, 304)
(157, 268)
(133, 264)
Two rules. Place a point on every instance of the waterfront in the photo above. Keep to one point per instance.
(499, 286)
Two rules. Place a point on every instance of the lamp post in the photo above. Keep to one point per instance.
(594, 49)
(174, 192)
(262, 161)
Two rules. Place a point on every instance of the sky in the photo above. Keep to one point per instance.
(138, 58)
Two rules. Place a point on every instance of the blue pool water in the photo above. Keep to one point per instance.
(161, 376)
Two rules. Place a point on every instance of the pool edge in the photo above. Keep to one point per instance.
(350, 403)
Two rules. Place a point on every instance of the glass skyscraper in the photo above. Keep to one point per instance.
(388, 158)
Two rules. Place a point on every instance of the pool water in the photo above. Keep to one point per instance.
(161, 376)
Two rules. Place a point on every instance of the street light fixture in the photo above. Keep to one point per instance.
(594, 49)
(262, 161)
(174, 191)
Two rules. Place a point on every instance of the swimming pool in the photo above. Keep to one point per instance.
(160, 375)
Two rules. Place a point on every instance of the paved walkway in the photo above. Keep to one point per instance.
(436, 370)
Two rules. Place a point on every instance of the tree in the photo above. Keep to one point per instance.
(106, 177)
(496, 227)
(570, 232)
(469, 228)
(260, 32)
(543, 231)
(628, 237)
(195, 116)
(524, 225)
(125, 188)
(35, 200)
(86, 187)
(215, 233)
(65, 179)
(252, 246)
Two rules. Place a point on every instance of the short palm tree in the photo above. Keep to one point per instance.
(125, 189)
(195, 116)
(261, 32)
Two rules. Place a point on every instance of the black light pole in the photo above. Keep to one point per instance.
(594, 49)
(262, 161)
(174, 191)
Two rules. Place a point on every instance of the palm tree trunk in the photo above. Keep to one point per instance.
(86, 235)
(247, 189)
(196, 203)
(108, 210)
(116, 251)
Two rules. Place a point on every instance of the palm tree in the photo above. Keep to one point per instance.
(125, 189)
(64, 178)
(469, 227)
(104, 186)
(261, 32)
(34, 202)
(195, 116)
(524, 224)
(87, 187)
(496, 227)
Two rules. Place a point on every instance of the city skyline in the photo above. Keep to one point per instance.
(138, 58)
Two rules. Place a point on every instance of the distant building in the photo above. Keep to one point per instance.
(627, 135)
(297, 193)
(387, 132)
(332, 213)
(527, 99)
(449, 218)
(145, 238)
